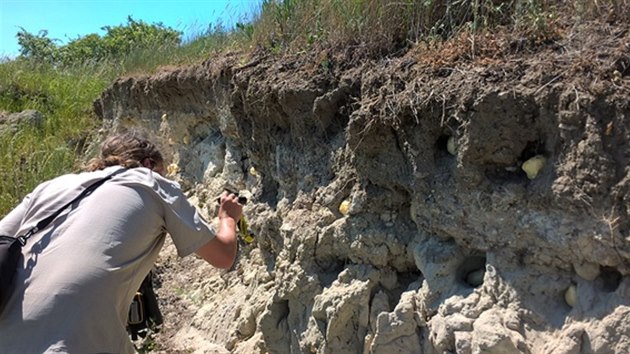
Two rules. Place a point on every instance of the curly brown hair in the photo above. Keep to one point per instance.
(127, 149)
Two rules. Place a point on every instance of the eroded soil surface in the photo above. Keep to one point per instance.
(443, 242)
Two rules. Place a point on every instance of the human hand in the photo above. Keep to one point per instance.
(229, 206)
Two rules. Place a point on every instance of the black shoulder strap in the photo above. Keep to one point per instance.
(43, 223)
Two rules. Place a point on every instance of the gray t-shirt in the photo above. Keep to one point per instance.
(80, 273)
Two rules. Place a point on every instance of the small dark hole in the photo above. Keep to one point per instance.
(472, 270)
(441, 142)
(611, 278)
(443, 72)
(532, 149)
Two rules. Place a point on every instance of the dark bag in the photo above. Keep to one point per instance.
(11, 247)
(10, 253)
(144, 311)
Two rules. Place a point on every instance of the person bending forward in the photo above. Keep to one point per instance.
(80, 273)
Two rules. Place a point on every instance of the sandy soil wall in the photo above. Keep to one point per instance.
(401, 205)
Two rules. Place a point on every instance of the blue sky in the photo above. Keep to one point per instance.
(69, 19)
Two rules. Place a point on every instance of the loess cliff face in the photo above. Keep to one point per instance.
(443, 243)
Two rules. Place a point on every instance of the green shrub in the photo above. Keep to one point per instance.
(38, 47)
(117, 43)
(124, 39)
(84, 49)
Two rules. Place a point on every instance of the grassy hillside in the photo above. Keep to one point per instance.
(64, 91)
(32, 155)
(64, 94)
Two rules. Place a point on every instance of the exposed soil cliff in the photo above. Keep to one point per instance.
(443, 242)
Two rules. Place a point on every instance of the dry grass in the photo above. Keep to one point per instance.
(388, 27)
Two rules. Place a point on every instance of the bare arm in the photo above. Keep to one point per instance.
(221, 251)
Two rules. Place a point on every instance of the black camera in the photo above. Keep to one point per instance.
(241, 200)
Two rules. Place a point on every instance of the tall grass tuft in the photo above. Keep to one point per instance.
(385, 26)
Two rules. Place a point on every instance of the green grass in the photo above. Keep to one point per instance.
(32, 155)
(372, 27)
(28, 157)
(64, 95)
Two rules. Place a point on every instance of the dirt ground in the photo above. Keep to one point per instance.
(463, 197)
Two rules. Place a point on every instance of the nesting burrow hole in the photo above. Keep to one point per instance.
(609, 278)
(472, 271)
(446, 146)
(533, 148)
(529, 165)
(442, 142)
